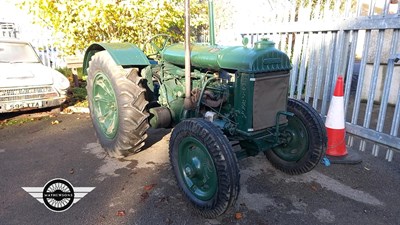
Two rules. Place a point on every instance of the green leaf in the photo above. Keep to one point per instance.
(82, 22)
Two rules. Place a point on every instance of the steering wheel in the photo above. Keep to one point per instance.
(155, 42)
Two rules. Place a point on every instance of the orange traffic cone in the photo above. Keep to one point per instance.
(335, 127)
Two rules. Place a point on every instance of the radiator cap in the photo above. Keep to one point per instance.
(264, 43)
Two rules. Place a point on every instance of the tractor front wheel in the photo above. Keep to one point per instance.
(205, 166)
(117, 106)
(304, 140)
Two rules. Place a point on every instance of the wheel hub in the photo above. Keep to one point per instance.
(189, 171)
(197, 169)
(294, 141)
(105, 105)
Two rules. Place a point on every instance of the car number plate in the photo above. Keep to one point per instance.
(21, 105)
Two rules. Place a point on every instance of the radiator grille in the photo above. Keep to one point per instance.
(270, 97)
(15, 94)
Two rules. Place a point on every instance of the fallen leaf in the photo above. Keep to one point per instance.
(121, 213)
(144, 196)
(55, 122)
(314, 188)
(68, 111)
(149, 187)
(71, 171)
(238, 216)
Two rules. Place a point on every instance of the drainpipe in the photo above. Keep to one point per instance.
(188, 104)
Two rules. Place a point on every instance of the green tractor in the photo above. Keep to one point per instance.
(229, 103)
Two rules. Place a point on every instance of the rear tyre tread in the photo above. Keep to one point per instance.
(131, 131)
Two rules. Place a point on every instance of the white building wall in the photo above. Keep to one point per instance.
(233, 17)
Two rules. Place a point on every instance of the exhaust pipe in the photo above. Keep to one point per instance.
(211, 22)
(188, 104)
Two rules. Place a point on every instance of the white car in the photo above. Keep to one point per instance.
(25, 83)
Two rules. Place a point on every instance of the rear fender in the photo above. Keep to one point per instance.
(124, 54)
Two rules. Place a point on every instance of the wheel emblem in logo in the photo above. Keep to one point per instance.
(58, 194)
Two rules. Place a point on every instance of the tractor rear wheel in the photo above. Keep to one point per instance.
(205, 166)
(305, 137)
(117, 106)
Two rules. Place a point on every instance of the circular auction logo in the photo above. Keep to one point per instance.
(58, 195)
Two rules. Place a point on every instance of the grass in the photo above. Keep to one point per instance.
(19, 121)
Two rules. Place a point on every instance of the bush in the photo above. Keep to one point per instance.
(79, 93)
(76, 96)
(68, 73)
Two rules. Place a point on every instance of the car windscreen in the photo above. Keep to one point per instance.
(17, 53)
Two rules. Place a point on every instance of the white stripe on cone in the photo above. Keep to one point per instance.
(335, 117)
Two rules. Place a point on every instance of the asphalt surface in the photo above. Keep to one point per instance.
(141, 189)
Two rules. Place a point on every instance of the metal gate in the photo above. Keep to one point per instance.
(43, 46)
(8, 30)
(356, 39)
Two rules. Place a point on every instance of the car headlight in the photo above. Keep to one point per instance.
(61, 82)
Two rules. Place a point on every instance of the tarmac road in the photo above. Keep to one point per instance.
(141, 189)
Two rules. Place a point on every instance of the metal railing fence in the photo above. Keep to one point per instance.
(357, 39)
(44, 45)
